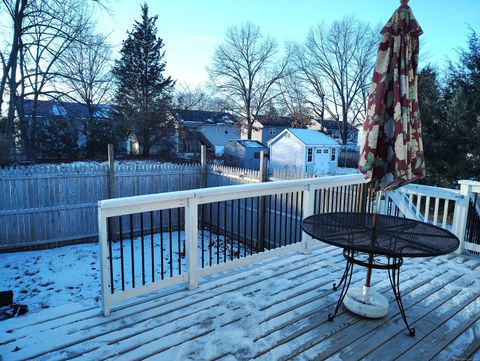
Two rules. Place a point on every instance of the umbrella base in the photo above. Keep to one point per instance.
(366, 302)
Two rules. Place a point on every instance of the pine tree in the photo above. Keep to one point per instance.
(143, 95)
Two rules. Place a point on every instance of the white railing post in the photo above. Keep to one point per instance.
(308, 207)
(102, 239)
(191, 241)
(461, 212)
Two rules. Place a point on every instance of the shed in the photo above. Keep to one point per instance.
(244, 153)
(304, 150)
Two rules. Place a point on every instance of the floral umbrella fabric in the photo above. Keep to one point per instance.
(392, 149)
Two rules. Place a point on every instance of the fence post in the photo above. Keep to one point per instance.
(461, 212)
(308, 207)
(102, 239)
(203, 162)
(191, 241)
(111, 172)
(262, 177)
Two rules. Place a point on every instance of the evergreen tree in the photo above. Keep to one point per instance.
(143, 95)
(451, 119)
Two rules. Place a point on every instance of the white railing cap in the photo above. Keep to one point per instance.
(239, 191)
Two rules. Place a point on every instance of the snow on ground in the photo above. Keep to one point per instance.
(53, 277)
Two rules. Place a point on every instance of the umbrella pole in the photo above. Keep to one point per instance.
(374, 228)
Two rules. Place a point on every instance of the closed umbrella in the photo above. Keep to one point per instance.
(392, 151)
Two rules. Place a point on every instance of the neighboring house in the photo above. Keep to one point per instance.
(304, 150)
(244, 153)
(333, 129)
(265, 128)
(197, 127)
(77, 113)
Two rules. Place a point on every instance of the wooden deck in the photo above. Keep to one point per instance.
(274, 310)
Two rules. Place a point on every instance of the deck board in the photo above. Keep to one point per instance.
(274, 310)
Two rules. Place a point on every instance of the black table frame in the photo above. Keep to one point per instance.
(393, 266)
(394, 261)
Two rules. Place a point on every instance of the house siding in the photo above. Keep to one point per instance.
(288, 153)
(219, 135)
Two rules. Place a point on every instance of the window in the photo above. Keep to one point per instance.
(272, 131)
(309, 155)
(256, 155)
(333, 154)
(226, 131)
(325, 150)
(319, 151)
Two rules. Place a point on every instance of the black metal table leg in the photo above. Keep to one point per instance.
(346, 279)
(394, 276)
(344, 276)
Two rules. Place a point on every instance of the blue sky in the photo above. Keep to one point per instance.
(192, 28)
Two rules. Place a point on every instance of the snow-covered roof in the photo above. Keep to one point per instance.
(308, 137)
(247, 143)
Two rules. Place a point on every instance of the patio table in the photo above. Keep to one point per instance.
(393, 239)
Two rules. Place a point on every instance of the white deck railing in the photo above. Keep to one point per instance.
(431, 199)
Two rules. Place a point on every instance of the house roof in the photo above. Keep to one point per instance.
(47, 108)
(202, 116)
(308, 137)
(247, 143)
(330, 124)
(275, 122)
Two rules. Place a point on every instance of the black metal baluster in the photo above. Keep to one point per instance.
(286, 220)
(257, 246)
(110, 253)
(224, 231)
(291, 218)
(132, 251)
(162, 273)
(218, 232)
(202, 223)
(179, 241)
(122, 267)
(251, 226)
(275, 223)
(231, 230)
(245, 227)
(238, 225)
(210, 242)
(324, 200)
(297, 221)
(152, 246)
(269, 219)
(280, 225)
(170, 232)
(142, 235)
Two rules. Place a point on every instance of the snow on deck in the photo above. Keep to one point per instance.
(273, 310)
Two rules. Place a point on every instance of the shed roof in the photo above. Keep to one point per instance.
(247, 143)
(312, 137)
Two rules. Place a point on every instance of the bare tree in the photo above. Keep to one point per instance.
(245, 70)
(336, 62)
(86, 70)
(187, 97)
(295, 100)
(41, 31)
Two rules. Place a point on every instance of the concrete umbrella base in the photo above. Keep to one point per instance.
(366, 302)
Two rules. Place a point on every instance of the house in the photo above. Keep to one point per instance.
(304, 150)
(197, 127)
(333, 128)
(266, 128)
(244, 153)
(78, 116)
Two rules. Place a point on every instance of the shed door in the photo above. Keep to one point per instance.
(322, 157)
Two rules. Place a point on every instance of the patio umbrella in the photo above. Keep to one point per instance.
(392, 152)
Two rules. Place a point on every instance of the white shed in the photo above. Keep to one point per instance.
(304, 150)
